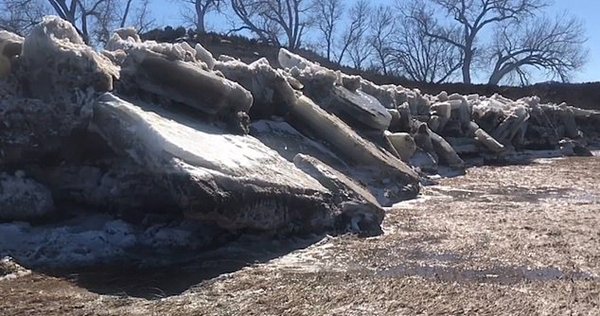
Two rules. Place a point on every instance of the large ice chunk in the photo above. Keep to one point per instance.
(10, 46)
(311, 119)
(272, 93)
(403, 143)
(127, 40)
(290, 60)
(186, 83)
(57, 60)
(33, 129)
(362, 212)
(360, 107)
(288, 142)
(234, 181)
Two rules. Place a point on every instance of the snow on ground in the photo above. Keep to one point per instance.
(92, 239)
(11, 270)
(22, 198)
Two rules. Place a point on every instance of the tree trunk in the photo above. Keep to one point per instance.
(383, 65)
(329, 48)
(292, 40)
(200, 14)
(84, 31)
(466, 67)
(342, 53)
(126, 13)
(200, 24)
(497, 75)
(495, 78)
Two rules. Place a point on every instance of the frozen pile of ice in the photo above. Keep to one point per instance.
(158, 128)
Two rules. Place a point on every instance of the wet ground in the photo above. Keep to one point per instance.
(518, 240)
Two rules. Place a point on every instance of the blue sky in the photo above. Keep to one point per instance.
(588, 11)
(167, 12)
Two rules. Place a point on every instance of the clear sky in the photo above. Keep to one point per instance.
(167, 12)
(589, 12)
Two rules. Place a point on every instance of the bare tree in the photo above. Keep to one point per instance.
(93, 19)
(327, 15)
(271, 19)
(360, 51)
(291, 16)
(201, 8)
(469, 18)
(87, 16)
(552, 46)
(143, 19)
(74, 10)
(382, 28)
(118, 14)
(18, 16)
(106, 19)
(98, 18)
(125, 14)
(249, 12)
(356, 31)
(421, 57)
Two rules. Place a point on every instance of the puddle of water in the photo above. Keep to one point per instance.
(502, 275)
(517, 194)
(506, 193)
(587, 199)
(457, 193)
(545, 160)
(443, 256)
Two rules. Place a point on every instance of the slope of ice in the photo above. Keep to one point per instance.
(202, 145)
(288, 142)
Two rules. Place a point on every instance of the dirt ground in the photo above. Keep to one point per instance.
(518, 240)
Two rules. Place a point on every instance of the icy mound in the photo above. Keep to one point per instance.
(233, 180)
(145, 129)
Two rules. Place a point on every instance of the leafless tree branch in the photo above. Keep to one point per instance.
(328, 14)
(554, 46)
(383, 26)
(467, 20)
(272, 19)
(420, 57)
(356, 31)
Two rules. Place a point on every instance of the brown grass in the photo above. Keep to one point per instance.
(520, 240)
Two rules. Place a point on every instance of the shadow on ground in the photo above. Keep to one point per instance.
(159, 281)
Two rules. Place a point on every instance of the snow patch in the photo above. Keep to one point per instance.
(93, 239)
(23, 199)
(10, 270)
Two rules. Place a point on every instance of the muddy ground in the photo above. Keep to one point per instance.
(518, 240)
